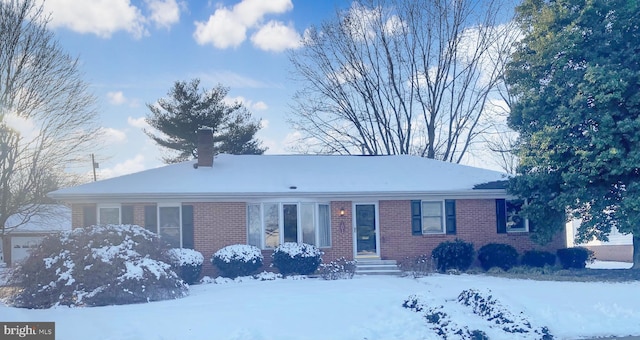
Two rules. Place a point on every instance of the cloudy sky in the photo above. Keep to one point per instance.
(132, 51)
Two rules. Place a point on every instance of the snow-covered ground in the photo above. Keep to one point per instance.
(366, 307)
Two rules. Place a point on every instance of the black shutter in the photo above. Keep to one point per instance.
(416, 218)
(531, 226)
(126, 214)
(187, 226)
(501, 216)
(151, 218)
(89, 216)
(450, 214)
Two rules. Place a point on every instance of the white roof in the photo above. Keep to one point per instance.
(252, 176)
(49, 218)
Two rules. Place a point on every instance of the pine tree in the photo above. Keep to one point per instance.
(188, 108)
(576, 80)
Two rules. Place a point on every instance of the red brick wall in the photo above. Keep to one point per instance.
(475, 222)
(77, 214)
(341, 232)
(217, 225)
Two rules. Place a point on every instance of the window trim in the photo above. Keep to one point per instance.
(158, 221)
(108, 206)
(299, 231)
(443, 227)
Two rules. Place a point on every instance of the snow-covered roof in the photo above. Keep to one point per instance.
(252, 176)
(49, 218)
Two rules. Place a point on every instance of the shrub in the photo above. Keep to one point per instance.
(237, 260)
(187, 263)
(96, 266)
(418, 266)
(294, 258)
(576, 257)
(338, 269)
(498, 255)
(538, 258)
(453, 255)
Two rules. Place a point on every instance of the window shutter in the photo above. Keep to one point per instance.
(416, 217)
(450, 215)
(89, 216)
(151, 218)
(126, 214)
(531, 226)
(187, 227)
(501, 216)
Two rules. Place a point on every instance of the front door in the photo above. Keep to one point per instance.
(365, 233)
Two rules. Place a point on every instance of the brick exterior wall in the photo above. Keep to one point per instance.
(219, 224)
(475, 223)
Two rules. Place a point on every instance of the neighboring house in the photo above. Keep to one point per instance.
(387, 207)
(23, 234)
(618, 248)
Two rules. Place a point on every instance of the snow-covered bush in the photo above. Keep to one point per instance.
(576, 257)
(187, 263)
(296, 258)
(499, 255)
(538, 258)
(338, 269)
(453, 255)
(96, 266)
(237, 260)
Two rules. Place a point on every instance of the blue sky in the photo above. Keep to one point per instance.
(132, 51)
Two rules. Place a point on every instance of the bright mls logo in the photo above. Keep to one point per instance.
(28, 330)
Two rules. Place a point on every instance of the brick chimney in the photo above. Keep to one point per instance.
(205, 147)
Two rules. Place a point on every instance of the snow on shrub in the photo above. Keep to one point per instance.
(296, 258)
(237, 260)
(187, 263)
(338, 269)
(96, 266)
(487, 307)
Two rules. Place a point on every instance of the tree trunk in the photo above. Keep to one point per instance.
(636, 251)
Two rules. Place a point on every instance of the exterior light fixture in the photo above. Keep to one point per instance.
(341, 211)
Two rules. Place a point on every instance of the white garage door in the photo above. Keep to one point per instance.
(20, 246)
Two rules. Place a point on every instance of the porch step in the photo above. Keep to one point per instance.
(377, 267)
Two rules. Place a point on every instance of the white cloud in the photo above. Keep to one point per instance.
(249, 104)
(138, 122)
(264, 124)
(164, 13)
(116, 98)
(276, 36)
(222, 30)
(111, 135)
(99, 17)
(227, 27)
(128, 166)
(25, 126)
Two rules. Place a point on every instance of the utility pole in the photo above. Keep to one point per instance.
(94, 165)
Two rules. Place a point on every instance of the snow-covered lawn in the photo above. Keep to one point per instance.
(366, 307)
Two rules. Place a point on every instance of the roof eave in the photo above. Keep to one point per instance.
(248, 196)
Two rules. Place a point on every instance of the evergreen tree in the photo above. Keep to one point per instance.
(576, 80)
(188, 108)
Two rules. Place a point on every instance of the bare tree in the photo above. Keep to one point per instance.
(42, 92)
(399, 77)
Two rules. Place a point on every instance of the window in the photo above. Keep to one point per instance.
(433, 217)
(174, 223)
(509, 218)
(109, 214)
(115, 214)
(169, 226)
(270, 224)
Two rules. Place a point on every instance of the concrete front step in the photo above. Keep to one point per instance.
(377, 267)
